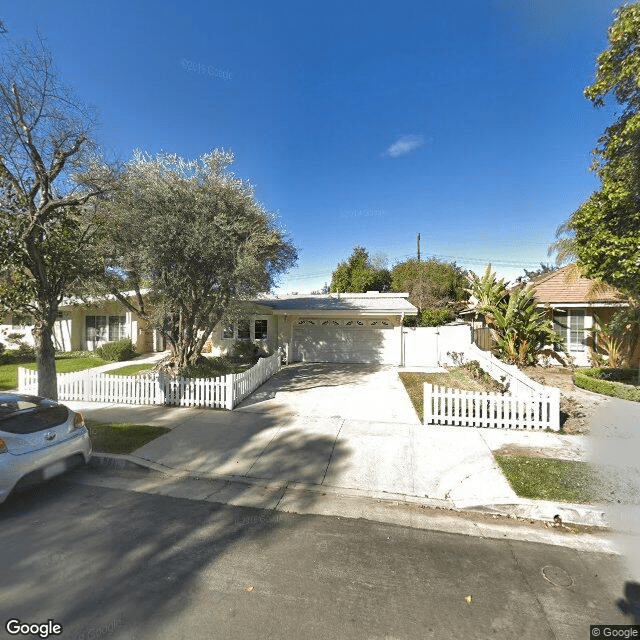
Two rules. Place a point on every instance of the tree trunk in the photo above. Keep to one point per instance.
(46, 358)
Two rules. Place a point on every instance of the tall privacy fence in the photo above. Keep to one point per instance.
(527, 405)
(224, 392)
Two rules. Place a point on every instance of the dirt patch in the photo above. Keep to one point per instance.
(576, 405)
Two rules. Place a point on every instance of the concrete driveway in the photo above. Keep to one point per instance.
(320, 390)
(337, 426)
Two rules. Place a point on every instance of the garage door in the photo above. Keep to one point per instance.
(367, 340)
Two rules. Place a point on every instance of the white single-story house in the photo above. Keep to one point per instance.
(348, 327)
(338, 327)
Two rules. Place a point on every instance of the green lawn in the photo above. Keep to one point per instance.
(130, 370)
(65, 363)
(550, 479)
(459, 378)
(120, 437)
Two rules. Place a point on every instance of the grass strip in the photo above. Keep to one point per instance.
(115, 437)
(550, 479)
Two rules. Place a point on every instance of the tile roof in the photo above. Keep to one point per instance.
(565, 286)
(395, 303)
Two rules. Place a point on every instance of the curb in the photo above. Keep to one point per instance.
(539, 510)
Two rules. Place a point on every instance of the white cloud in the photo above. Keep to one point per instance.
(403, 145)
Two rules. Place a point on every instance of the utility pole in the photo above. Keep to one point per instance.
(418, 247)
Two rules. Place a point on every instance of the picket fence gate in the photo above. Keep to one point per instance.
(446, 406)
(224, 392)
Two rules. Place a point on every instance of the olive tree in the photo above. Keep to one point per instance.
(194, 235)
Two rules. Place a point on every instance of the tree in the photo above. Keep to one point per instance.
(46, 223)
(360, 274)
(486, 291)
(521, 331)
(604, 232)
(193, 234)
(544, 269)
(436, 288)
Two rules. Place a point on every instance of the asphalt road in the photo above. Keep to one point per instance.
(108, 563)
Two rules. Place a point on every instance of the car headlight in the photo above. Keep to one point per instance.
(3, 446)
(78, 421)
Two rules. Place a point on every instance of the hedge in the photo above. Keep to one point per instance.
(605, 381)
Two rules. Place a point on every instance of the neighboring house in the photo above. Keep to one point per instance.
(87, 326)
(347, 327)
(575, 304)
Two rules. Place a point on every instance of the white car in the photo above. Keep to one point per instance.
(39, 439)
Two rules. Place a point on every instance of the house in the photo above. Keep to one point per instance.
(351, 327)
(86, 325)
(575, 304)
(347, 327)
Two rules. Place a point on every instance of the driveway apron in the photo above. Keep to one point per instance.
(344, 426)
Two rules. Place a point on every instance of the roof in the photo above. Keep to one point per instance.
(566, 286)
(370, 302)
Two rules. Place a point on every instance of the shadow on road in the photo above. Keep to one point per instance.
(83, 555)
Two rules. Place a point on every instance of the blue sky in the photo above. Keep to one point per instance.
(359, 123)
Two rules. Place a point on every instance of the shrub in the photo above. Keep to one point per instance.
(209, 368)
(435, 317)
(606, 381)
(24, 353)
(117, 351)
(247, 351)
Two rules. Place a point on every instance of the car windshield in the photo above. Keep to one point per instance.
(28, 414)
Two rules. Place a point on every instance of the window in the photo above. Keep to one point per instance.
(106, 328)
(117, 328)
(244, 333)
(260, 330)
(569, 325)
(228, 332)
(576, 326)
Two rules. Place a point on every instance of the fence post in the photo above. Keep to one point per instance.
(230, 380)
(426, 403)
(21, 383)
(554, 407)
(86, 385)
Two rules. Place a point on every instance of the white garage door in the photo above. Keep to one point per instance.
(367, 340)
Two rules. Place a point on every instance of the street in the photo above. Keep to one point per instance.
(110, 563)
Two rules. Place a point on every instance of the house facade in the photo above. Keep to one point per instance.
(85, 326)
(348, 327)
(358, 328)
(577, 305)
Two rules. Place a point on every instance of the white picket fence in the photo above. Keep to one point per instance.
(224, 392)
(447, 406)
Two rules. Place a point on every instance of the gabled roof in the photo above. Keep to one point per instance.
(370, 302)
(566, 286)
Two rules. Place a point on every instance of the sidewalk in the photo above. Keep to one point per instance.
(279, 461)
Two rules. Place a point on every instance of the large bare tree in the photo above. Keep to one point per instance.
(46, 221)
